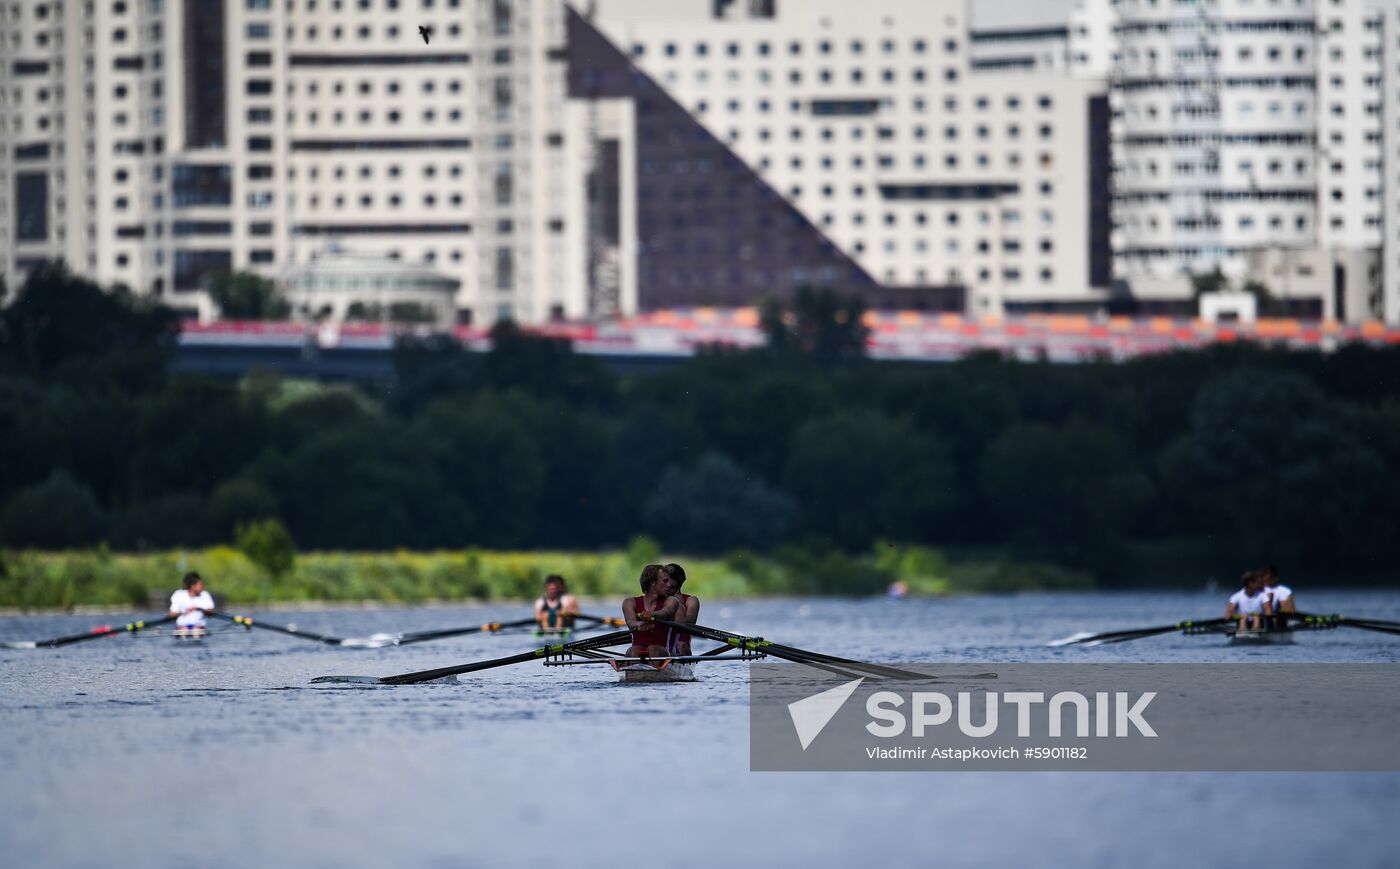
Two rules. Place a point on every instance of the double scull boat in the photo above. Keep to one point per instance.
(678, 668)
(1279, 631)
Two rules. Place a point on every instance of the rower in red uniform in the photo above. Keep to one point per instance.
(689, 611)
(650, 640)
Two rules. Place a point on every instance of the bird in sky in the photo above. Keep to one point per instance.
(425, 31)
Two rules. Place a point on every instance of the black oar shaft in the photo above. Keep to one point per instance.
(493, 627)
(791, 653)
(249, 622)
(443, 633)
(603, 620)
(1380, 626)
(616, 638)
(1142, 633)
(130, 627)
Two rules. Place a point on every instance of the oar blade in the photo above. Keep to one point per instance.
(374, 680)
(374, 641)
(1072, 639)
(20, 644)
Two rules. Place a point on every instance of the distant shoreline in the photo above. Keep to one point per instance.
(104, 581)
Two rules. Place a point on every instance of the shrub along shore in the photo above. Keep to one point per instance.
(31, 580)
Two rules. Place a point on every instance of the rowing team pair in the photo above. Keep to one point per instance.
(1262, 596)
(661, 598)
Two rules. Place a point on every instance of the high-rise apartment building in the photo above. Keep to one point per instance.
(1390, 164)
(1214, 128)
(871, 124)
(150, 142)
(584, 159)
(1248, 132)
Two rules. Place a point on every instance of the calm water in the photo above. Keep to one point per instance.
(155, 754)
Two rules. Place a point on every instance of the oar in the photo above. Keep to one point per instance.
(615, 638)
(790, 653)
(1381, 626)
(104, 631)
(489, 627)
(380, 640)
(1135, 633)
(290, 630)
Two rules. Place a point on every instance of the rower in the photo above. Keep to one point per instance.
(556, 609)
(650, 640)
(1250, 605)
(689, 611)
(190, 603)
(1280, 595)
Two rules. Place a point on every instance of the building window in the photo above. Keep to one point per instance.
(505, 268)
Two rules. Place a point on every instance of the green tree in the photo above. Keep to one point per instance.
(1068, 492)
(542, 366)
(861, 475)
(57, 513)
(489, 456)
(411, 312)
(1258, 289)
(237, 502)
(61, 321)
(817, 324)
(1209, 282)
(164, 522)
(247, 296)
(716, 506)
(1287, 476)
(266, 543)
(370, 487)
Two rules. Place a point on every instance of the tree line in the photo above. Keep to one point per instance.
(1233, 455)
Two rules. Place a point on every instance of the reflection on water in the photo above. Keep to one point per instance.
(222, 753)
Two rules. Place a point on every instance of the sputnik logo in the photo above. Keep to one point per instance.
(811, 715)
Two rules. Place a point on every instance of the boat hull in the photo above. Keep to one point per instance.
(648, 673)
(1262, 638)
(189, 635)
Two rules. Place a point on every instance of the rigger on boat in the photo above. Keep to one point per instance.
(1262, 613)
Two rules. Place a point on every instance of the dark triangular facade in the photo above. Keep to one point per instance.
(710, 230)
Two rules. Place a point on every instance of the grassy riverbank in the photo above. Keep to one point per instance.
(47, 580)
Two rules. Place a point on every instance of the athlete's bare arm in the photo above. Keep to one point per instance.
(629, 615)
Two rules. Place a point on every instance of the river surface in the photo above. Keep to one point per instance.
(145, 752)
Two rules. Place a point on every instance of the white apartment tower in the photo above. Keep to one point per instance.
(1390, 163)
(1214, 120)
(1248, 132)
(149, 142)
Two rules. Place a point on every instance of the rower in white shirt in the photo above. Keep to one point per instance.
(1280, 595)
(190, 604)
(1250, 604)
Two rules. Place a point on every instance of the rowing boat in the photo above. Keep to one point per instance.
(1262, 637)
(1279, 630)
(190, 633)
(677, 668)
(643, 672)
